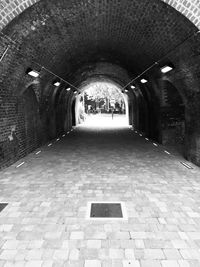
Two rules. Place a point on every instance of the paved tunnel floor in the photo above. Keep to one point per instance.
(45, 221)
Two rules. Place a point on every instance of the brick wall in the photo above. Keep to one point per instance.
(27, 108)
(184, 79)
(172, 115)
(24, 127)
(9, 9)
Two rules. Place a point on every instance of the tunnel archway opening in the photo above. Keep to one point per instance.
(102, 103)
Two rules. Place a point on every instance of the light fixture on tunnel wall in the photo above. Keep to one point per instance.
(75, 92)
(132, 87)
(126, 90)
(166, 68)
(143, 80)
(56, 83)
(32, 73)
(68, 89)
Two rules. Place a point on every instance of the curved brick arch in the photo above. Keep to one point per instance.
(11, 8)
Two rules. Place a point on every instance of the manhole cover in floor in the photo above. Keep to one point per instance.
(106, 210)
(103, 210)
(2, 206)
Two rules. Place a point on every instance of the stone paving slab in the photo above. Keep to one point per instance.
(44, 223)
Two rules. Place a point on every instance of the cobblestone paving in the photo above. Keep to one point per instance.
(44, 223)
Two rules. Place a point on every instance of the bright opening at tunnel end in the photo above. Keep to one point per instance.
(102, 104)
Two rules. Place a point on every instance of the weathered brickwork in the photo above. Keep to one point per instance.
(12, 8)
(186, 78)
(178, 115)
(80, 38)
(25, 126)
(172, 115)
(27, 113)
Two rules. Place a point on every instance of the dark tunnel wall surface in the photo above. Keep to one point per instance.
(12, 8)
(80, 40)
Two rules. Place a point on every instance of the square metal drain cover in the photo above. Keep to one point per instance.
(2, 206)
(106, 210)
(103, 210)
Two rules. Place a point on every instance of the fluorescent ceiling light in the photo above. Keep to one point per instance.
(68, 89)
(132, 86)
(75, 92)
(56, 83)
(166, 69)
(33, 73)
(143, 81)
(126, 90)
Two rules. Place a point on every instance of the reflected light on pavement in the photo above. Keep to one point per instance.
(105, 121)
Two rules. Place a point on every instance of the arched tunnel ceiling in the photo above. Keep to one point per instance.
(10, 9)
(67, 35)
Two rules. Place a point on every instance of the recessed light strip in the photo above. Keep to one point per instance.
(20, 165)
(5, 52)
(186, 165)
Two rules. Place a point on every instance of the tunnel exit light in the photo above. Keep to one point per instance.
(33, 73)
(143, 81)
(166, 69)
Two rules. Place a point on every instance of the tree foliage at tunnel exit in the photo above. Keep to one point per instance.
(102, 91)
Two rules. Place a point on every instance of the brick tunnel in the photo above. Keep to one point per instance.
(149, 49)
(122, 41)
